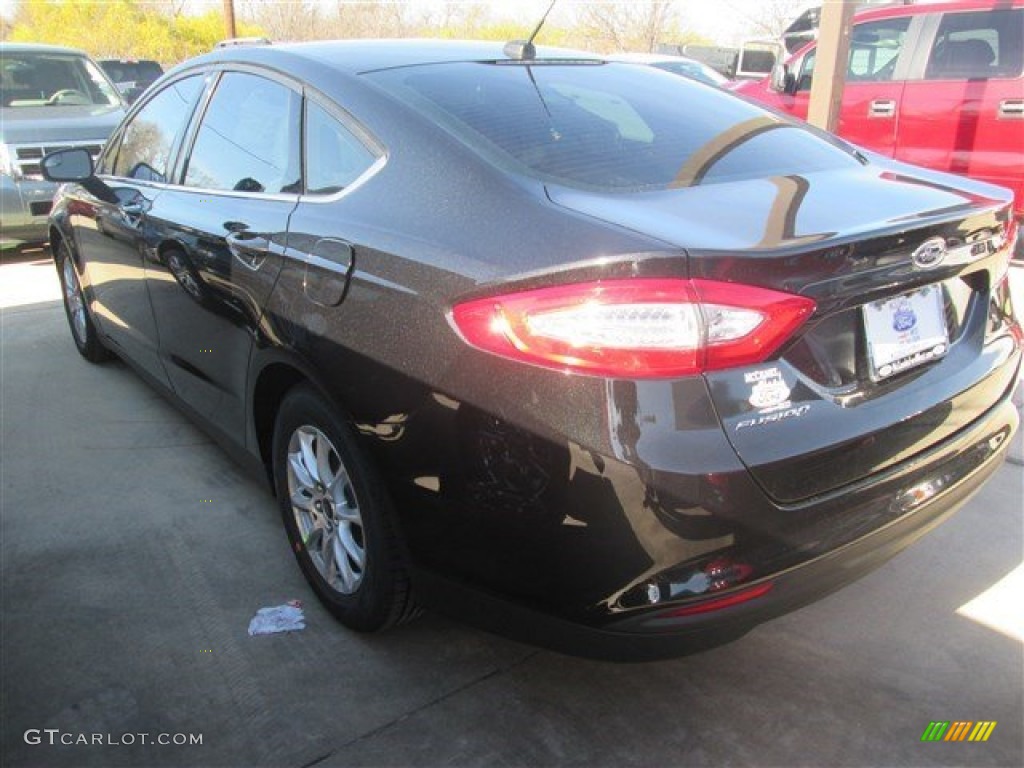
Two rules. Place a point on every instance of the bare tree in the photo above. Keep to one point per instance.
(767, 18)
(369, 18)
(172, 8)
(452, 16)
(625, 26)
(294, 20)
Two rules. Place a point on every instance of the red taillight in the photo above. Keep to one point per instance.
(641, 328)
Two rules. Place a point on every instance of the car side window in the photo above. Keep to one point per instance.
(978, 45)
(148, 140)
(874, 50)
(248, 140)
(803, 83)
(334, 156)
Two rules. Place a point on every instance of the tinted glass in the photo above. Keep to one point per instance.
(149, 138)
(607, 126)
(874, 50)
(978, 45)
(694, 70)
(30, 79)
(334, 157)
(249, 138)
(131, 71)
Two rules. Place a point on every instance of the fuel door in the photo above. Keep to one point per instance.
(328, 270)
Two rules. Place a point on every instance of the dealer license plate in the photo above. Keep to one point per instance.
(905, 331)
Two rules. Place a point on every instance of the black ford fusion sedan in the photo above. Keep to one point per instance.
(595, 356)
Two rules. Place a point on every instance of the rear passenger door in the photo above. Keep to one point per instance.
(963, 109)
(326, 225)
(223, 232)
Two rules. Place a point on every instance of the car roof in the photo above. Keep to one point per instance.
(39, 48)
(937, 6)
(359, 56)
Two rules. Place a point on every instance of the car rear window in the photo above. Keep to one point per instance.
(132, 71)
(609, 126)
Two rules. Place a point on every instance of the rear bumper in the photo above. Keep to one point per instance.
(901, 505)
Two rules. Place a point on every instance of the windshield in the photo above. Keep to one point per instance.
(609, 126)
(34, 79)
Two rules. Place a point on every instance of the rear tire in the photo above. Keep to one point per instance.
(337, 516)
(83, 329)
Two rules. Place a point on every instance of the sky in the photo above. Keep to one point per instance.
(720, 20)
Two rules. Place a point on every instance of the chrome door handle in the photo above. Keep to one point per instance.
(1011, 109)
(249, 248)
(882, 108)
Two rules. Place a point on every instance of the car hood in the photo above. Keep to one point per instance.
(788, 212)
(35, 125)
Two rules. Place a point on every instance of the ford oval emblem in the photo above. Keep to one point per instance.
(930, 253)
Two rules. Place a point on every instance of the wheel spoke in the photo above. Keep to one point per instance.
(349, 578)
(329, 557)
(352, 548)
(313, 537)
(298, 467)
(347, 515)
(302, 500)
(323, 461)
(308, 457)
(336, 488)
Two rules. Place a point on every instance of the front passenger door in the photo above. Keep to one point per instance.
(224, 231)
(113, 236)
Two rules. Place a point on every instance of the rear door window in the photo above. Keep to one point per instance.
(335, 157)
(249, 138)
(978, 45)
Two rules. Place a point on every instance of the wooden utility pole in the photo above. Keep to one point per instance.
(830, 63)
(229, 18)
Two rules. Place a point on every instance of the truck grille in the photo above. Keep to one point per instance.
(27, 158)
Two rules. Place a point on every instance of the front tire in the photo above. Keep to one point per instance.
(83, 329)
(337, 516)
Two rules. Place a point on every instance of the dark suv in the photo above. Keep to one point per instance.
(132, 76)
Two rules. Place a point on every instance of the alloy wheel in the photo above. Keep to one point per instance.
(326, 510)
(75, 302)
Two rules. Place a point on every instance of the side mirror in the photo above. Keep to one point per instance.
(67, 165)
(780, 78)
(76, 165)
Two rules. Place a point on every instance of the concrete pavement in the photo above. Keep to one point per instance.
(134, 554)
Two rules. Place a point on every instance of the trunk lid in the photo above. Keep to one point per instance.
(821, 414)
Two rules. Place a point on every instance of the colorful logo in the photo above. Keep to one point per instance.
(904, 318)
(958, 730)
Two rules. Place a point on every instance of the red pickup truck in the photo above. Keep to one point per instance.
(940, 85)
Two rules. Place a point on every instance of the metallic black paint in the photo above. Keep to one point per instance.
(567, 500)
